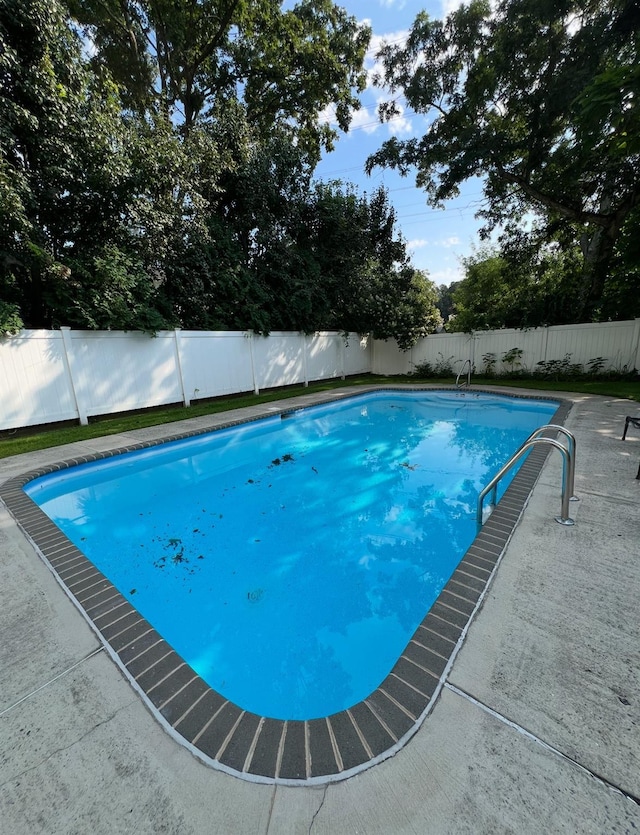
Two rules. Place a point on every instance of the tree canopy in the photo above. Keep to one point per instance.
(181, 59)
(539, 97)
(516, 290)
(156, 170)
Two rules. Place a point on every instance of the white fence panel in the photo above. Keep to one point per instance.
(437, 349)
(278, 359)
(611, 340)
(531, 342)
(448, 349)
(116, 371)
(35, 382)
(387, 358)
(287, 358)
(617, 342)
(215, 363)
(48, 376)
(324, 356)
(357, 356)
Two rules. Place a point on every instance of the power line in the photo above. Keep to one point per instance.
(376, 122)
(433, 220)
(342, 171)
(398, 208)
(437, 212)
(421, 203)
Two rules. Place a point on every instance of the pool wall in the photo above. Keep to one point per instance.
(259, 748)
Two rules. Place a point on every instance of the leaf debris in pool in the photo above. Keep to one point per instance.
(278, 461)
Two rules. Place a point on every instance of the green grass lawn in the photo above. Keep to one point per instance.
(30, 440)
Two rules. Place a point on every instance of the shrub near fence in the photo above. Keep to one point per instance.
(49, 376)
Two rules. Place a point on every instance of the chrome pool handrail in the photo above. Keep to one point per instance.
(572, 449)
(468, 383)
(568, 470)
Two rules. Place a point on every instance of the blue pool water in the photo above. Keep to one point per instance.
(290, 560)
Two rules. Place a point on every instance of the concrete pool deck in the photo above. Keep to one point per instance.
(537, 728)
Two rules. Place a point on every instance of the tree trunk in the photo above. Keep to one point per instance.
(597, 250)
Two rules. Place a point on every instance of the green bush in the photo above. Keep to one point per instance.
(10, 319)
(443, 367)
(489, 360)
(557, 370)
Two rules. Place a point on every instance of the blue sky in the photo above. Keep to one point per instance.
(437, 238)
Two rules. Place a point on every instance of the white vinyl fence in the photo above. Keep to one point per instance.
(618, 343)
(48, 376)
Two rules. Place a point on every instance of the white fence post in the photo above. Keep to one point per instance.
(304, 359)
(256, 388)
(67, 354)
(176, 343)
(635, 356)
(546, 342)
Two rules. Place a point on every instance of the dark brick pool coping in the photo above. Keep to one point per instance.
(256, 747)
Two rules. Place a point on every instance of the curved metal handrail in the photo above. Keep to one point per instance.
(572, 449)
(568, 470)
(468, 383)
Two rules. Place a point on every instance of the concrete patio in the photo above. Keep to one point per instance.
(537, 728)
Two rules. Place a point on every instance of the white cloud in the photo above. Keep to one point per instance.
(418, 243)
(399, 124)
(365, 120)
(89, 47)
(389, 4)
(327, 116)
(372, 65)
(447, 275)
(397, 38)
(449, 6)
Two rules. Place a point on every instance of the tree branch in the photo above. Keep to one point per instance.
(550, 202)
(214, 41)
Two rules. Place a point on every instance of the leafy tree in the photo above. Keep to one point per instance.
(541, 98)
(242, 272)
(181, 58)
(222, 101)
(367, 279)
(520, 289)
(162, 176)
(621, 289)
(110, 292)
(64, 169)
(445, 300)
(406, 308)
(485, 297)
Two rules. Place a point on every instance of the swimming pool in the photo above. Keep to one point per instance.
(261, 514)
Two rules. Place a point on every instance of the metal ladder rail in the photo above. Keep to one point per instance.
(468, 383)
(571, 440)
(566, 474)
(568, 471)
